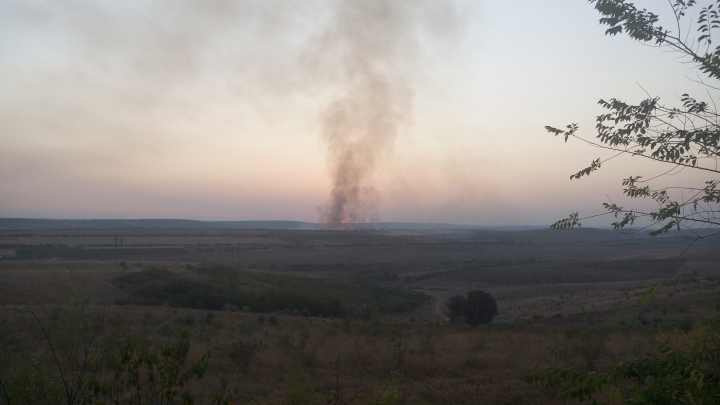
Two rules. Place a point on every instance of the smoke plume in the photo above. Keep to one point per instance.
(371, 49)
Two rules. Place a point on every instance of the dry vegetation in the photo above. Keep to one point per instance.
(277, 358)
(578, 294)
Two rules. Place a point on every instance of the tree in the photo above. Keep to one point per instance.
(456, 306)
(479, 307)
(685, 137)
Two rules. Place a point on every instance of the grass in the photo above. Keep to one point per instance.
(582, 297)
(419, 363)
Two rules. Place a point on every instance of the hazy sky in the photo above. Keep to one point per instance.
(259, 109)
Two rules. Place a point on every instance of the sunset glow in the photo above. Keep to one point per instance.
(230, 110)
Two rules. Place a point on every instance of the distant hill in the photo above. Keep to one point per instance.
(44, 224)
(528, 232)
(41, 224)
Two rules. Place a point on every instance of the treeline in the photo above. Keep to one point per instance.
(215, 287)
(470, 265)
(59, 251)
(384, 272)
(365, 271)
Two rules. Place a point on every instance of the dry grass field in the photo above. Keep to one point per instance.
(285, 359)
(577, 290)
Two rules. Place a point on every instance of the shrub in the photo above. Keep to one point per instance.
(684, 370)
(141, 371)
(479, 307)
(241, 352)
(456, 306)
(300, 390)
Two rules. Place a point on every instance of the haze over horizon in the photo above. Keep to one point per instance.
(405, 111)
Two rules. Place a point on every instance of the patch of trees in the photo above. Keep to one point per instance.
(48, 251)
(41, 252)
(366, 271)
(376, 275)
(647, 265)
(219, 287)
(478, 307)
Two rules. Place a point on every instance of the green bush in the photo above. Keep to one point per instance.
(144, 374)
(300, 390)
(79, 366)
(685, 369)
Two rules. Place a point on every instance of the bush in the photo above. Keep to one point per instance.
(684, 370)
(140, 370)
(241, 352)
(300, 390)
(479, 307)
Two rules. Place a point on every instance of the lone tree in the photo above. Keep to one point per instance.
(456, 306)
(479, 307)
(685, 137)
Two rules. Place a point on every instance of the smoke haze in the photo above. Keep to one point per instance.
(313, 110)
(371, 48)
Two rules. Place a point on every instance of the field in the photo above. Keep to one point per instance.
(311, 316)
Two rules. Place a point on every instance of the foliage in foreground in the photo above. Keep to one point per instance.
(142, 374)
(77, 369)
(684, 370)
(684, 138)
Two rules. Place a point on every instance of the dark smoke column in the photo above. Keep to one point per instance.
(369, 48)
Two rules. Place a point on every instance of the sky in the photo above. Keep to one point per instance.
(320, 110)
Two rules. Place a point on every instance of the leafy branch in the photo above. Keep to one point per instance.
(687, 137)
